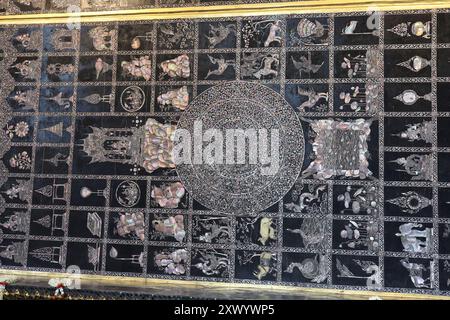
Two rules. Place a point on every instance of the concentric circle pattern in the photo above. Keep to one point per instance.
(243, 188)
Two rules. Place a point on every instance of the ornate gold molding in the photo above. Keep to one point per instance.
(149, 285)
(295, 7)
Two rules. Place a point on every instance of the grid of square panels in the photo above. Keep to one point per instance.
(82, 188)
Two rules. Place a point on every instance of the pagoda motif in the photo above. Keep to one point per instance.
(149, 146)
(48, 254)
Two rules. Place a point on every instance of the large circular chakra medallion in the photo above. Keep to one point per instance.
(239, 148)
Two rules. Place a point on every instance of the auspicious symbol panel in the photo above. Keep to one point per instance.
(88, 119)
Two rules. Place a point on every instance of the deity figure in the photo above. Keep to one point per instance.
(212, 262)
(418, 132)
(418, 166)
(16, 222)
(222, 66)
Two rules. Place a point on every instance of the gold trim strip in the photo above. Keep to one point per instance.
(149, 283)
(296, 7)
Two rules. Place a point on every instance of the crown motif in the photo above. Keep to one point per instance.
(415, 64)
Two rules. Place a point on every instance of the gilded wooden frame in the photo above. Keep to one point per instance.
(214, 11)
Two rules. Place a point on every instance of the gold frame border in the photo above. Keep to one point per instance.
(106, 282)
(258, 9)
(220, 11)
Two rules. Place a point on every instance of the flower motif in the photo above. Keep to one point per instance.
(171, 227)
(131, 224)
(10, 131)
(172, 262)
(21, 161)
(168, 196)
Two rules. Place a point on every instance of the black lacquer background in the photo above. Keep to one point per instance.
(239, 245)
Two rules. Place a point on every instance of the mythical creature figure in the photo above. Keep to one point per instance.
(266, 264)
(267, 66)
(222, 66)
(168, 195)
(313, 98)
(313, 269)
(267, 230)
(217, 229)
(305, 199)
(312, 232)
